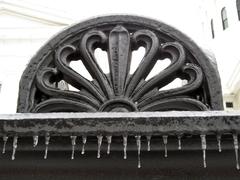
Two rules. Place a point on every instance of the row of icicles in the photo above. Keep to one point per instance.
(138, 141)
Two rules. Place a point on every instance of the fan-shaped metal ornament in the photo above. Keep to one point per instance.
(44, 84)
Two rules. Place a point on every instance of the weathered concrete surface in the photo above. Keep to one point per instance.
(143, 123)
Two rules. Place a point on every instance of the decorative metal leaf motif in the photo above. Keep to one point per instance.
(119, 90)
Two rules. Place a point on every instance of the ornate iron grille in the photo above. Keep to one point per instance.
(115, 103)
(44, 84)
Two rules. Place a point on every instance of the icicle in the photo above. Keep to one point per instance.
(125, 147)
(219, 142)
(235, 143)
(84, 141)
(138, 140)
(179, 142)
(47, 139)
(165, 141)
(149, 142)
(204, 147)
(15, 140)
(73, 141)
(99, 137)
(109, 141)
(35, 140)
(5, 138)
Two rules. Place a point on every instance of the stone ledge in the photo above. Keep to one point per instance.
(139, 123)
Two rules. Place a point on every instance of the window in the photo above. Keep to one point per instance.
(229, 104)
(212, 29)
(238, 9)
(224, 18)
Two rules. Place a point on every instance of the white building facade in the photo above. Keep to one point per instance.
(24, 28)
(221, 25)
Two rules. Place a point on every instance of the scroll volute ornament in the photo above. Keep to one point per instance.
(120, 91)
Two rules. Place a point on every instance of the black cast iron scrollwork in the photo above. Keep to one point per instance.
(119, 91)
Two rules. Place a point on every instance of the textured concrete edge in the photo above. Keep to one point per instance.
(101, 115)
(169, 123)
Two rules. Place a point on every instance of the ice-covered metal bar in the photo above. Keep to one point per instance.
(162, 123)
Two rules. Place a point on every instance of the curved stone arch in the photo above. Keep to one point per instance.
(119, 91)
